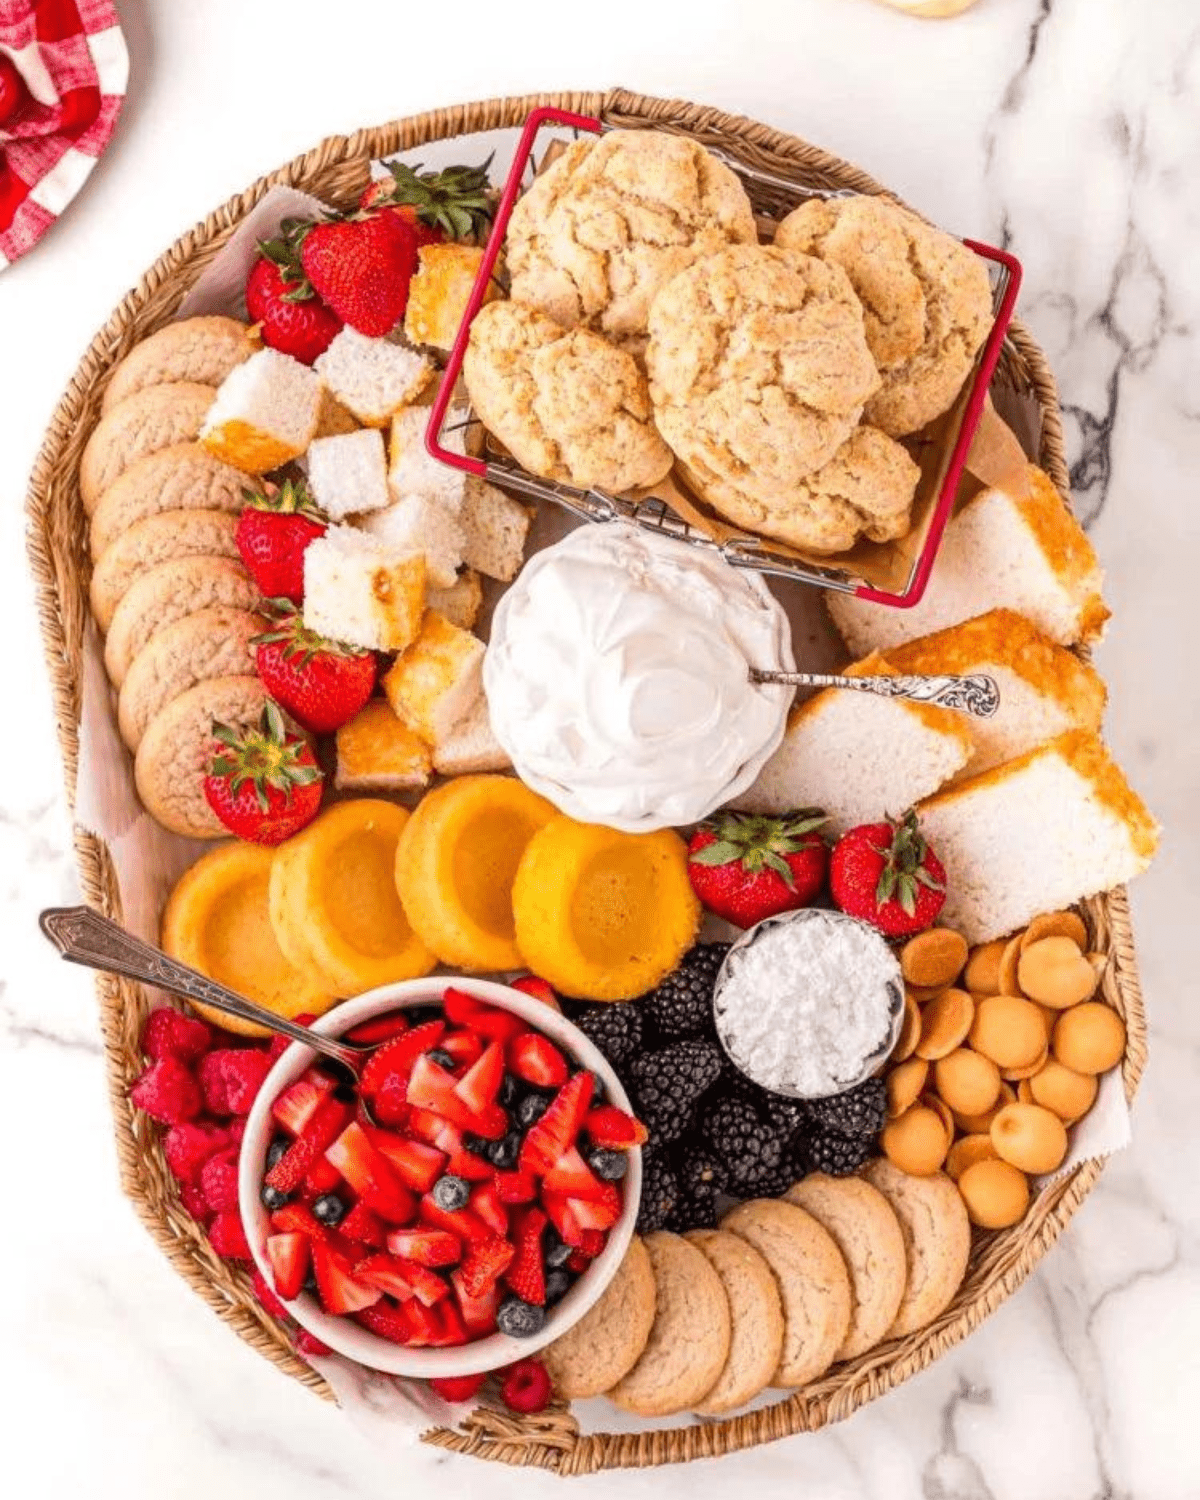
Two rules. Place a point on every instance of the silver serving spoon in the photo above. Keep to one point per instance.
(85, 937)
(976, 693)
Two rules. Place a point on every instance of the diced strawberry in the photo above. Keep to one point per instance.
(321, 1177)
(432, 1087)
(227, 1237)
(598, 1213)
(563, 1217)
(415, 1163)
(537, 1060)
(485, 1201)
(169, 1033)
(362, 1225)
(288, 1254)
(465, 1047)
(398, 1056)
(403, 1278)
(368, 1173)
(530, 984)
(391, 1102)
(167, 1092)
(478, 1313)
(499, 1025)
(491, 1123)
(188, 1145)
(485, 1261)
(527, 1274)
(460, 1007)
(571, 1175)
(461, 1162)
(388, 1322)
(309, 1343)
(298, 1103)
(265, 1293)
(379, 1029)
(467, 1226)
(425, 1125)
(423, 1324)
(427, 1247)
(478, 1087)
(219, 1180)
(321, 1131)
(515, 1187)
(613, 1129)
(451, 1330)
(294, 1218)
(456, 1388)
(193, 1199)
(340, 1289)
(578, 1261)
(594, 1240)
(555, 1132)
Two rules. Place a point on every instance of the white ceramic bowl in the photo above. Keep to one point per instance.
(345, 1336)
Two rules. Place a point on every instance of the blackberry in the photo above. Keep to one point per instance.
(753, 1150)
(531, 1108)
(668, 1085)
(558, 1284)
(773, 1182)
(837, 1155)
(330, 1209)
(861, 1112)
(278, 1146)
(451, 1193)
(660, 1190)
(615, 1029)
(503, 1153)
(701, 1175)
(555, 1250)
(682, 1004)
(609, 1166)
(520, 1320)
(271, 1198)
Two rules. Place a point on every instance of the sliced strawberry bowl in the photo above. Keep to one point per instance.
(453, 1214)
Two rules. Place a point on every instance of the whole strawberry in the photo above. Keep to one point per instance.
(888, 875)
(280, 298)
(745, 868)
(272, 535)
(264, 784)
(362, 267)
(320, 682)
(455, 203)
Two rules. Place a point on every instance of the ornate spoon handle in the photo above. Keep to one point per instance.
(85, 937)
(976, 693)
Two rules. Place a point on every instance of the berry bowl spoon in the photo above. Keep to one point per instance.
(975, 693)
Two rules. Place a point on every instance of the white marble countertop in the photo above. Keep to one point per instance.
(1064, 128)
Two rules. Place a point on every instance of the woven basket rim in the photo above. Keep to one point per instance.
(336, 169)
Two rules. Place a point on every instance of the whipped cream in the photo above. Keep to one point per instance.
(618, 677)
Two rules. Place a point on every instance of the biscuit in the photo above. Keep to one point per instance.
(689, 1340)
(166, 593)
(756, 1320)
(173, 757)
(183, 476)
(143, 423)
(867, 1232)
(891, 257)
(613, 219)
(158, 539)
(759, 367)
(866, 489)
(213, 642)
(197, 349)
(608, 1340)
(814, 1284)
(937, 1240)
(568, 405)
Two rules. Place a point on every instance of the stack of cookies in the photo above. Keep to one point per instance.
(649, 330)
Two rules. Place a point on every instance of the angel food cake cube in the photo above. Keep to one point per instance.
(372, 377)
(378, 752)
(413, 471)
(495, 528)
(264, 413)
(348, 473)
(439, 292)
(359, 590)
(419, 523)
(435, 683)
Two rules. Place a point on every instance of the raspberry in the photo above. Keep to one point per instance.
(193, 1199)
(231, 1077)
(219, 1181)
(279, 1044)
(265, 1293)
(189, 1145)
(167, 1092)
(309, 1343)
(526, 1386)
(457, 1387)
(169, 1033)
(227, 1237)
(236, 1129)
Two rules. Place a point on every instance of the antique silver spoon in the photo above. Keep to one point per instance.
(976, 694)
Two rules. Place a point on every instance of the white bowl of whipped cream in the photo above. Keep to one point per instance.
(618, 677)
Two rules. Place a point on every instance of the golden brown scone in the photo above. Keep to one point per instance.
(567, 405)
(184, 476)
(158, 539)
(613, 220)
(912, 279)
(200, 349)
(606, 1343)
(143, 423)
(759, 367)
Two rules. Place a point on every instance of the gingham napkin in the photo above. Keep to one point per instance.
(72, 56)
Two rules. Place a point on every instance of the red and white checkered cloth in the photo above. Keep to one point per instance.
(72, 56)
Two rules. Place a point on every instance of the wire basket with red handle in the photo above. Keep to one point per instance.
(887, 573)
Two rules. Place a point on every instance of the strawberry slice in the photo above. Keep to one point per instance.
(422, 1322)
(478, 1313)
(465, 1047)
(432, 1087)
(555, 1132)
(402, 1279)
(527, 1274)
(368, 1173)
(321, 1177)
(417, 1164)
(298, 1103)
(486, 1260)
(389, 1322)
(451, 1329)
(288, 1254)
(427, 1247)
(361, 1225)
(461, 1162)
(294, 1218)
(485, 1201)
(478, 1087)
(572, 1176)
(537, 1060)
(496, 1025)
(594, 1240)
(424, 1125)
(601, 1213)
(515, 1187)
(613, 1129)
(396, 1058)
(327, 1123)
(340, 1289)
(562, 1215)
(391, 1102)
(468, 1227)
(460, 1007)
(530, 984)
(379, 1029)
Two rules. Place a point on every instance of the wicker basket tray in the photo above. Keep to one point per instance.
(337, 171)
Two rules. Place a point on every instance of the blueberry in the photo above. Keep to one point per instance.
(510, 1090)
(599, 1092)
(451, 1193)
(503, 1153)
(278, 1146)
(558, 1284)
(520, 1320)
(271, 1198)
(443, 1059)
(479, 1144)
(330, 1209)
(556, 1252)
(532, 1108)
(310, 1285)
(609, 1166)
(345, 1093)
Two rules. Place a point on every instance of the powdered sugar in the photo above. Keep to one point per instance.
(808, 1003)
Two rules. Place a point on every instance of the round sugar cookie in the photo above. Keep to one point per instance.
(937, 1240)
(202, 349)
(143, 423)
(158, 539)
(182, 476)
(756, 1312)
(167, 592)
(608, 1340)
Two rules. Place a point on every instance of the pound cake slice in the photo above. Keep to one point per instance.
(1036, 834)
(1045, 690)
(858, 756)
(1024, 552)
